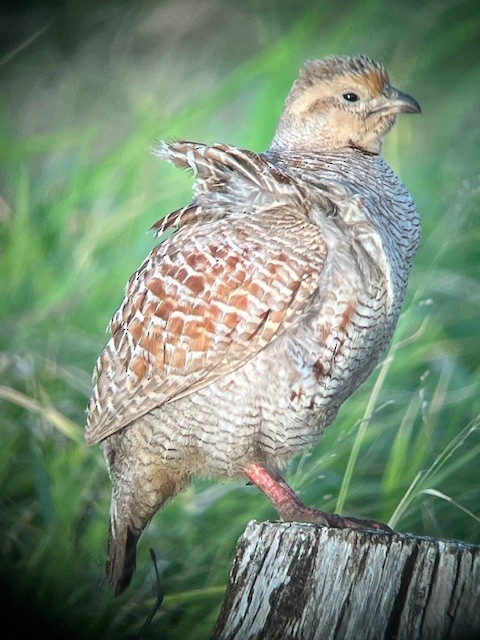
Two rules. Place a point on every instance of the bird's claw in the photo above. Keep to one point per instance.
(314, 516)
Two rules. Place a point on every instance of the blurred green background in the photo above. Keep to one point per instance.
(86, 89)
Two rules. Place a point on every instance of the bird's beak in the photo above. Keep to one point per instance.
(395, 101)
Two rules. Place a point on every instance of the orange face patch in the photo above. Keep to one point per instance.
(374, 81)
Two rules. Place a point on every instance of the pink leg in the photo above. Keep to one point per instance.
(291, 508)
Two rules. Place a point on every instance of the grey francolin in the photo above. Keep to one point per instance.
(279, 290)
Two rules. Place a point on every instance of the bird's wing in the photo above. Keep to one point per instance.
(205, 301)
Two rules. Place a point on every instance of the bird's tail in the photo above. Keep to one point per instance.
(132, 507)
(121, 553)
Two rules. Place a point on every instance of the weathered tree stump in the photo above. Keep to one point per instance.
(305, 582)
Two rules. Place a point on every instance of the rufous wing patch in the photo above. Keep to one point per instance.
(191, 317)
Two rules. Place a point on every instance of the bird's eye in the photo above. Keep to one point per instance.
(350, 97)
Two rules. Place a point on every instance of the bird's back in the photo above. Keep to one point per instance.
(320, 255)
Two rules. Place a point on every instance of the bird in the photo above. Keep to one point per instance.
(266, 302)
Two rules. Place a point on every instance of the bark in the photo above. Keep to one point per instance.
(305, 582)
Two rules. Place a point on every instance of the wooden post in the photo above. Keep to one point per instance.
(295, 581)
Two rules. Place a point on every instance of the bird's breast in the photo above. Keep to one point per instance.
(340, 339)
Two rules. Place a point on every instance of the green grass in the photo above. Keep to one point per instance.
(77, 203)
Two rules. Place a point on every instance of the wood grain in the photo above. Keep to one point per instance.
(301, 581)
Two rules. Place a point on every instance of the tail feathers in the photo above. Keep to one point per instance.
(122, 553)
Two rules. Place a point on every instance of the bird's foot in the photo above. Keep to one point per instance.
(294, 512)
(292, 509)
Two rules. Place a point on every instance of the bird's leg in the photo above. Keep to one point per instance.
(291, 508)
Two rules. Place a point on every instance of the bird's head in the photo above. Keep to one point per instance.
(340, 102)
